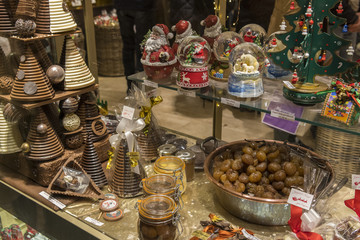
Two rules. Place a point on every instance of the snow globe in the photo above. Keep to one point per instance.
(253, 33)
(247, 61)
(193, 54)
(222, 48)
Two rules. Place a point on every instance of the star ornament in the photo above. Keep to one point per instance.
(204, 76)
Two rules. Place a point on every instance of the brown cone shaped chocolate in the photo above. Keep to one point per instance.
(54, 17)
(148, 144)
(124, 182)
(52, 112)
(13, 6)
(31, 83)
(10, 137)
(6, 22)
(92, 190)
(44, 145)
(91, 163)
(26, 8)
(40, 53)
(77, 73)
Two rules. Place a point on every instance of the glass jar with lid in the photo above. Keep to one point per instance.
(173, 166)
(162, 184)
(158, 218)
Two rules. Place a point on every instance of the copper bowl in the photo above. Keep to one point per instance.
(254, 209)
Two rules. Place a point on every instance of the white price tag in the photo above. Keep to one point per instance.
(355, 181)
(94, 221)
(283, 114)
(76, 3)
(52, 200)
(230, 102)
(248, 235)
(300, 199)
(128, 112)
(187, 93)
(151, 84)
(289, 85)
(152, 93)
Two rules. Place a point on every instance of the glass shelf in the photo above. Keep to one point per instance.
(217, 91)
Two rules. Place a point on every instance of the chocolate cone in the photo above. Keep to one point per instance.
(26, 8)
(148, 144)
(40, 53)
(54, 17)
(44, 145)
(6, 23)
(91, 163)
(92, 190)
(77, 73)
(10, 137)
(124, 182)
(33, 84)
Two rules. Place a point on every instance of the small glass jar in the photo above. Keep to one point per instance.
(158, 218)
(173, 166)
(189, 158)
(166, 150)
(162, 184)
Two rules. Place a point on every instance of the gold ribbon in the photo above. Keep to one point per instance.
(145, 112)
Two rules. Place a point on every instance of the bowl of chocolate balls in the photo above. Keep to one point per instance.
(253, 178)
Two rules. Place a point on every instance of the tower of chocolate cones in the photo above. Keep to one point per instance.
(31, 82)
(148, 143)
(77, 73)
(54, 17)
(10, 137)
(44, 143)
(6, 21)
(91, 163)
(125, 182)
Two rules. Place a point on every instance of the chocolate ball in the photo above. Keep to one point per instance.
(25, 28)
(69, 105)
(74, 141)
(55, 73)
(41, 128)
(71, 122)
(25, 147)
(6, 83)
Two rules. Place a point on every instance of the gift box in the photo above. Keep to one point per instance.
(346, 112)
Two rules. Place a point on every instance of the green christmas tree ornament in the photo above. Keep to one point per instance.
(311, 50)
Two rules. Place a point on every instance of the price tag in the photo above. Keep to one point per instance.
(230, 102)
(289, 85)
(94, 221)
(188, 93)
(128, 112)
(283, 114)
(201, 235)
(76, 3)
(248, 235)
(355, 181)
(300, 199)
(151, 84)
(52, 200)
(152, 93)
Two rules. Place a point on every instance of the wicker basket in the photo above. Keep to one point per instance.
(341, 147)
(109, 50)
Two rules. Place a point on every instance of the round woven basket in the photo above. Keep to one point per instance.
(109, 50)
(341, 147)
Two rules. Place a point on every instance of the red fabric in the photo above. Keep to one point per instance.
(154, 56)
(354, 203)
(295, 225)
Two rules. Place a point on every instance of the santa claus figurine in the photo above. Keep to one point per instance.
(158, 57)
(249, 37)
(212, 28)
(183, 29)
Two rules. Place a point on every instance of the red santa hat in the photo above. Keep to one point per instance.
(182, 27)
(210, 21)
(163, 30)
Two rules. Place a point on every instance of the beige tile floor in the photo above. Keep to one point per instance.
(192, 116)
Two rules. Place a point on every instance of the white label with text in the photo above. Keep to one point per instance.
(128, 112)
(187, 93)
(94, 221)
(300, 199)
(355, 181)
(283, 114)
(230, 102)
(289, 85)
(52, 200)
(151, 84)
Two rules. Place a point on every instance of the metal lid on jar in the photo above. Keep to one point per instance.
(166, 150)
(186, 155)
